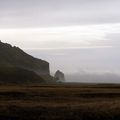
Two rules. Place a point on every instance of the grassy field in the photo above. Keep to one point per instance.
(60, 102)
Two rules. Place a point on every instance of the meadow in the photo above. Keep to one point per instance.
(60, 102)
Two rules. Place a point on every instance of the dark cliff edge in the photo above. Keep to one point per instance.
(18, 66)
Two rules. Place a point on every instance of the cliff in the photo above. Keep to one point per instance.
(15, 59)
(14, 56)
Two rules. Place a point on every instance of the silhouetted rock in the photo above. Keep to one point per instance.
(18, 75)
(59, 76)
(17, 65)
(14, 56)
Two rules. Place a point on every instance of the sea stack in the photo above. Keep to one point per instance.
(59, 76)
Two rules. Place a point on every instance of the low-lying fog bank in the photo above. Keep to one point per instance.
(93, 77)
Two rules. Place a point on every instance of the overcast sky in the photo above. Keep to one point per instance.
(85, 33)
(44, 13)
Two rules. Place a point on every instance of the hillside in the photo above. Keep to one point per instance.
(14, 56)
(16, 65)
(18, 76)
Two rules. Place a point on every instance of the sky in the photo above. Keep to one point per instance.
(73, 35)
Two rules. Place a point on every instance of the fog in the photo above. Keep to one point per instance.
(106, 77)
(83, 65)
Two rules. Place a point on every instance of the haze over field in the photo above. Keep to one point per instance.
(80, 37)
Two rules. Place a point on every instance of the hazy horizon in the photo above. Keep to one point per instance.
(75, 36)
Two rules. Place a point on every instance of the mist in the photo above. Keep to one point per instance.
(106, 77)
(83, 65)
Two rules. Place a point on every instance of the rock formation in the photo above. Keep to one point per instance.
(14, 56)
(59, 76)
(17, 65)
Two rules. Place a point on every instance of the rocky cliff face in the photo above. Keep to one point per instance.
(59, 76)
(18, 76)
(18, 65)
(14, 56)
